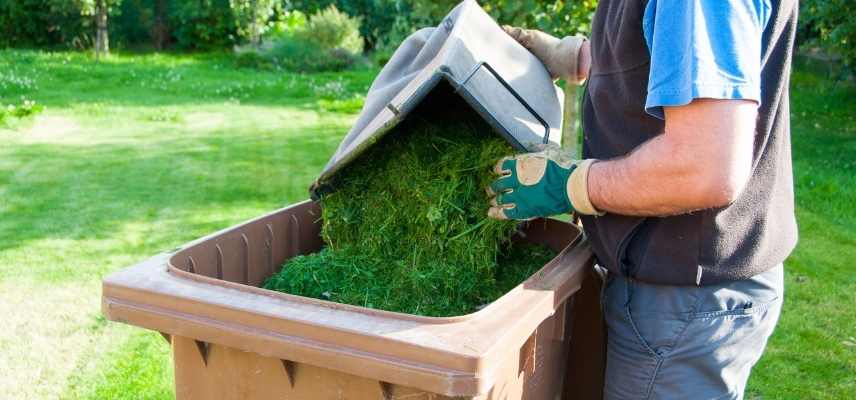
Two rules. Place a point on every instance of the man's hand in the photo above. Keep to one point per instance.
(568, 58)
(532, 185)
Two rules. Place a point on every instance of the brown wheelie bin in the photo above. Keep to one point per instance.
(233, 340)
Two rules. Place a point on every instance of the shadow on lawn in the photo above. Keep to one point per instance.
(89, 192)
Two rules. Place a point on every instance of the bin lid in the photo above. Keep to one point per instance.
(501, 80)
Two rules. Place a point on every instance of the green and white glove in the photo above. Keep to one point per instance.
(531, 185)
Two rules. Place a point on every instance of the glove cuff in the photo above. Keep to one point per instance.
(578, 189)
(569, 48)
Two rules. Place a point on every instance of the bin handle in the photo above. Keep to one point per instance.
(513, 92)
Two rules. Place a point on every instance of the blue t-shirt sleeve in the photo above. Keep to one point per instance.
(703, 49)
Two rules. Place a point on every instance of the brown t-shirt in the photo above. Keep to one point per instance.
(756, 232)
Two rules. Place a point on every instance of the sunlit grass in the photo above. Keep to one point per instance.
(132, 157)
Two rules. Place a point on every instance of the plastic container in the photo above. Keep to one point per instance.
(233, 340)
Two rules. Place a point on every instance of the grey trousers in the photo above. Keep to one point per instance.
(676, 342)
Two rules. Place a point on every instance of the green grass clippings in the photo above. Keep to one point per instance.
(407, 230)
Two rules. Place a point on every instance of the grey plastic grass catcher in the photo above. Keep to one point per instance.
(499, 79)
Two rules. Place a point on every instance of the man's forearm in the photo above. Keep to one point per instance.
(702, 161)
(647, 182)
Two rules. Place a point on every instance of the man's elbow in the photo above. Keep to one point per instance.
(722, 187)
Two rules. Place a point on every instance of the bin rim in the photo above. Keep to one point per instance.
(174, 269)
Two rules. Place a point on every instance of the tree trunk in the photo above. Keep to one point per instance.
(102, 42)
(160, 30)
(570, 135)
(255, 36)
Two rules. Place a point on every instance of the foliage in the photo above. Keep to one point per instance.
(407, 230)
(136, 22)
(378, 16)
(50, 22)
(88, 7)
(251, 17)
(296, 53)
(286, 22)
(188, 24)
(328, 41)
(560, 18)
(387, 22)
(556, 17)
(25, 109)
(42, 23)
(832, 26)
(202, 24)
(331, 29)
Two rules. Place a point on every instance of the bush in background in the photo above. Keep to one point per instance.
(378, 16)
(27, 108)
(298, 54)
(328, 40)
(829, 24)
(43, 23)
(220, 24)
(332, 29)
(387, 22)
(202, 24)
(251, 17)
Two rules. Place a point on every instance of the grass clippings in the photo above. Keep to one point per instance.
(407, 230)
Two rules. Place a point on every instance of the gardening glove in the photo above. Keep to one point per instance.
(541, 184)
(560, 56)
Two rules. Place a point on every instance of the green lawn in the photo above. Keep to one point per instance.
(139, 154)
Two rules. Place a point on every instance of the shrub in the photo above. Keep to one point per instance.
(286, 23)
(27, 108)
(43, 23)
(331, 29)
(328, 41)
(387, 22)
(823, 22)
(295, 53)
(202, 24)
(378, 16)
(252, 57)
(251, 17)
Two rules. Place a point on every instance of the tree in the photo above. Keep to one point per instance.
(99, 11)
(834, 30)
(102, 41)
(251, 17)
(160, 28)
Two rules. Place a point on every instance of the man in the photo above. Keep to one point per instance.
(686, 188)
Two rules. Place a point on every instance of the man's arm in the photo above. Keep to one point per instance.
(703, 160)
(704, 82)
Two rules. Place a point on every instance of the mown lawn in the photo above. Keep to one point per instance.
(133, 157)
(140, 153)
